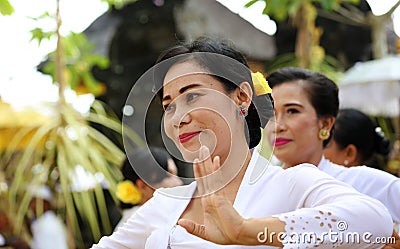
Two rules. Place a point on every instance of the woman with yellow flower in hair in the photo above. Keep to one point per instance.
(213, 116)
(157, 170)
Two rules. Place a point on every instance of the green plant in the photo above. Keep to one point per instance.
(49, 153)
(6, 8)
(303, 14)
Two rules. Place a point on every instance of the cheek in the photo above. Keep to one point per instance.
(308, 128)
(214, 120)
(167, 127)
(269, 131)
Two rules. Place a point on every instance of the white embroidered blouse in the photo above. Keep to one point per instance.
(317, 209)
(376, 183)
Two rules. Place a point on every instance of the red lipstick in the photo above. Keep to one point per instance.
(183, 138)
(281, 141)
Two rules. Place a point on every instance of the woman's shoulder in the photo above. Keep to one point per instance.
(358, 172)
(300, 176)
(307, 170)
(305, 176)
(167, 203)
(178, 193)
(263, 170)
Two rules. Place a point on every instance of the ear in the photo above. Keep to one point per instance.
(243, 94)
(351, 155)
(326, 123)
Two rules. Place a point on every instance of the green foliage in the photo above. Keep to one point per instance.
(52, 153)
(117, 3)
(6, 8)
(38, 34)
(328, 65)
(79, 60)
(282, 9)
(49, 153)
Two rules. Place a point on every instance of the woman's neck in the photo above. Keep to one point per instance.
(234, 169)
(314, 159)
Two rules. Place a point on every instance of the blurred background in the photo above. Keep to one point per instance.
(67, 67)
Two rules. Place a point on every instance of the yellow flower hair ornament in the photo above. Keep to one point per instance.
(260, 84)
(128, 193)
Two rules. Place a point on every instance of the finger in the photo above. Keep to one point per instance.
(198, 176)
(218, 178)
(207, 168)
(216, 163)
(193, 228)
(202, 158)
(171, 166)
(206, 160)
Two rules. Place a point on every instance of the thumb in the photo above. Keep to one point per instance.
(193, 228)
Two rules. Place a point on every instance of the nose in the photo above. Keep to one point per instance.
(180, 118)
(279, 124)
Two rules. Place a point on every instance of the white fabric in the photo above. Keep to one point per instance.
(397, 228)
(2, 240)
(373, 182)
(299, 193)
(48, 232)
(126, 214)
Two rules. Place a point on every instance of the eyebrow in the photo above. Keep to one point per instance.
(293, 104)
(182, 90)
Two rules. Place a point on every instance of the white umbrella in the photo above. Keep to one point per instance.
(373, 87)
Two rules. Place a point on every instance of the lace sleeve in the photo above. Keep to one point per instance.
(331, 214)
(308, 228)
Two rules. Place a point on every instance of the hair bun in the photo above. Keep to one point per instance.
(382, 144)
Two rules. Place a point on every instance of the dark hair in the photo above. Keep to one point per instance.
(147, 164)
(232, 71)
(322, 92)
(355, 127)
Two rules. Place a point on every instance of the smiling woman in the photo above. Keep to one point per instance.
(306, 104)
(209, 127)
(207, 94)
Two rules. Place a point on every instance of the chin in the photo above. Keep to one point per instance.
(189, 153)
(189, 157)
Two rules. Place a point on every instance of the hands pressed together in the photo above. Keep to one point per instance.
(222, 223)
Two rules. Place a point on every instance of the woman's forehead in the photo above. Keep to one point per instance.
(290, 92)
(289, 89)
(182, 69)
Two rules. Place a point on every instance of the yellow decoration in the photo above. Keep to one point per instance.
(13, 121)
(260, 84)
(127, 192)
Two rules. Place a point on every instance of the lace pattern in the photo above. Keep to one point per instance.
(310, 228)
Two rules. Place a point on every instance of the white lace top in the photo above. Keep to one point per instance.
(376, 183)
(311, 203)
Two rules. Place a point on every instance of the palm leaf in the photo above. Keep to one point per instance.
(60, 146)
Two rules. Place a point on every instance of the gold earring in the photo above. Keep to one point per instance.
(323, 134)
